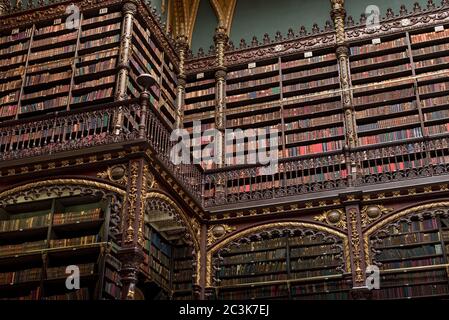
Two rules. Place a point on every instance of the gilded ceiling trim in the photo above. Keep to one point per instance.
(182, 17)
(224, 9)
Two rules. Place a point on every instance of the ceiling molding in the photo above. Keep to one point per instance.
(182, 16)
(224, 9)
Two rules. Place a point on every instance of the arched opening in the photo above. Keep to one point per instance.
(410, 249)
(52, 228)
(170, 251)
(290, 260)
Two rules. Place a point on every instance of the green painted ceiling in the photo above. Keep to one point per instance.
(257, 17)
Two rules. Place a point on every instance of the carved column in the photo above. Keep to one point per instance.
(338, 14)
(182, 48)
(129, 10)
(221, 39)
(133, 239)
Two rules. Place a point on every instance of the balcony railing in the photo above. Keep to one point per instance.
(128, 122)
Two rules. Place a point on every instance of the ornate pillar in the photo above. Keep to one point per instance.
(221, 39)
(338, 14)
(131, 253)
(182, 47)
(129, 10)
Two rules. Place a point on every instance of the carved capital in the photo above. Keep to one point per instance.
(220, 36)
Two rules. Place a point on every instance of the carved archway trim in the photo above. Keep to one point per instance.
(395, 216)
(261, 227)
(51, 182)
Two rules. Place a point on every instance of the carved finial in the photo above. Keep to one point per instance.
(266, 38)
(403, 10)
(444, 3)
(40, 2)
(350, 21)
(315, 28)
(278, 36)
(328, 26)
(189, 53)
(302, 31)
(390, 13)
(18, 5)
(242, 43)
(231, 45)
(200, 52)
(416, 7)
(290, 34)
(362, 18)
(254, 42)
(211, 50)
(430, 4)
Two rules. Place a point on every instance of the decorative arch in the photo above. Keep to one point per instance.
(435, 208)
(59, 186)
(267, 226)
(158, 200)
(224, 9)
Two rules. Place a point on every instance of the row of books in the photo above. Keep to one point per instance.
(112, 276)
(311, 84)
(159, 255)
(317, 288)
(392, 167)
(28, 275)
(410, 238)
(97, 67)
(310, 109)
(161, 272)
(94, 95)
(307, 61)
(370, 48)
(253, 95)
(16, 36)
(437, 129)
(139, 60)
(200, 93)
(94, 83)
(253, 119)
(260, 245)
(257, 256)
(200, 105)
(252, 71)
(252, 83)
(315, 148)
(410, 278)
(12, 61)
(111, 54)
(200, 83)
(22, 247)
(58, 243)
(431, 62)
(146, 34)
(8, 111)
(391, 136)
(303, 252)
(101, 18)
(59, 89)
(49, 65)
(50, 29)
(313, 122)
(51, 53)
(379, 59)
(252, 268)
(17, 71)
(44, 105)
(102, 29)
(382, 110)
(323, 261)
(77, 217)
(15, 47)
(431, 49)
(415, 226)
(25, 223)
(47, 77)
(409, 252)
(424, 290)
(434, 87)
(432, 102)
(33, 294)
(54, 40)
(252, 279)
(254, 293)
(309, 72)
(11, 85)
(436, 115)
(99, 42)
(182, 264)
(384, 97)
(380, 72)
(389, 123)
(429, 36)
(60, 272)
(314, 135)
(160, 245)
(182, 276)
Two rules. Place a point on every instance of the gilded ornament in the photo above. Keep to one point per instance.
(335, 217)
(372, 213)
(215, 233)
